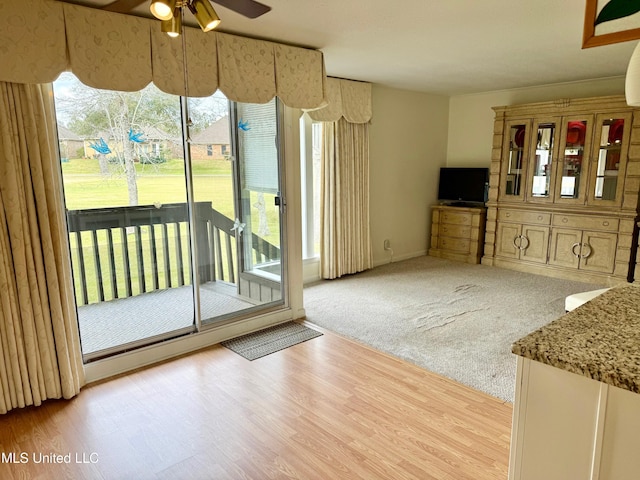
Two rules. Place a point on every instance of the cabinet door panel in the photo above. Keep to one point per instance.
(608, 165)
(538, 243)
(515, 156)
(620, 459)
(543, 157)
(571, 170)
(602, 251)
(561, 410)
(505, 236)
(565, 246)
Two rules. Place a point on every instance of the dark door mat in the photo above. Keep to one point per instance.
(272, 339)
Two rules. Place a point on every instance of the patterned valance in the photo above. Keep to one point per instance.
(345, 98)
(39, 39)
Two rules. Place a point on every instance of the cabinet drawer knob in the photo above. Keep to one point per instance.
(539, 217)
(507, 214)
(605, 223)
(565, 220)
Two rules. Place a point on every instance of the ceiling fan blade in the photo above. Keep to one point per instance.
(122, 6)
(248, 8)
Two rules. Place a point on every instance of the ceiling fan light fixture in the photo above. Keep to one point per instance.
(163, 9)
(205, 14)
(173, 26)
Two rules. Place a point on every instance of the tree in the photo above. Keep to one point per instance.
(118, 119)
(205, 111)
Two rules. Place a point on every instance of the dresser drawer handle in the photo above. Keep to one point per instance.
(507, 214)
(565, 220)
(540, 217)
(605, 224)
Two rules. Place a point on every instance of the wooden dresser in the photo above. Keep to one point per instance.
(457, 233)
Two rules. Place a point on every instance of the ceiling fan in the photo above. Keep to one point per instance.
(170, 11)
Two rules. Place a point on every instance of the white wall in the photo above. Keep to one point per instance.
(471, 117)
(408, 145)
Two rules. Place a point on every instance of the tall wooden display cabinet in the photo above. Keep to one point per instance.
(564, 188)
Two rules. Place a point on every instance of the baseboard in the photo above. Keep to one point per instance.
(312, 266)
(397, 258)
(310, 270)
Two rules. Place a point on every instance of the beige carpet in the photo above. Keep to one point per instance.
(451, 318)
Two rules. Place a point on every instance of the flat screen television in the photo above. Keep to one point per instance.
(463, 185)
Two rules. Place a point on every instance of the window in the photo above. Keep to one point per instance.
(209, 150)
(310, 150)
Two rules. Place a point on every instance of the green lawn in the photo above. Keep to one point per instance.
(94, 191)
(90, 166)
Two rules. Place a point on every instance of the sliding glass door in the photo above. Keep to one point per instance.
(126, 198)
(238, 211)
(161, 199)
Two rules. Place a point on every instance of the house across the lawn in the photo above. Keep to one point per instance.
(212, 142)
(71, 144)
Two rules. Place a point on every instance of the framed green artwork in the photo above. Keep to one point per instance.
(610, 21)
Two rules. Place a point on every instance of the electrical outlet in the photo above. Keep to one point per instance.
(387, 244)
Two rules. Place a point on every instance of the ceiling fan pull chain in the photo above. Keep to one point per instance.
(186, 83)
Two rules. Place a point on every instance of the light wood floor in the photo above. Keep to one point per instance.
(324, 409)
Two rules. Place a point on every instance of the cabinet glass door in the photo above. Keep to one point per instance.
(515, 166)
(543, 160)
(607, 171)
(572, 174)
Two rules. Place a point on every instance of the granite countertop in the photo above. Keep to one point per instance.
(600, 339)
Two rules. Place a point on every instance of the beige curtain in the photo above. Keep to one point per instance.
(40, 354)
(345, 98)
(344, 228)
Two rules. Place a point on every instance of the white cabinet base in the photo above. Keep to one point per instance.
(568, 426)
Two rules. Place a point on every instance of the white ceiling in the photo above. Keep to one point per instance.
(448, 47)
